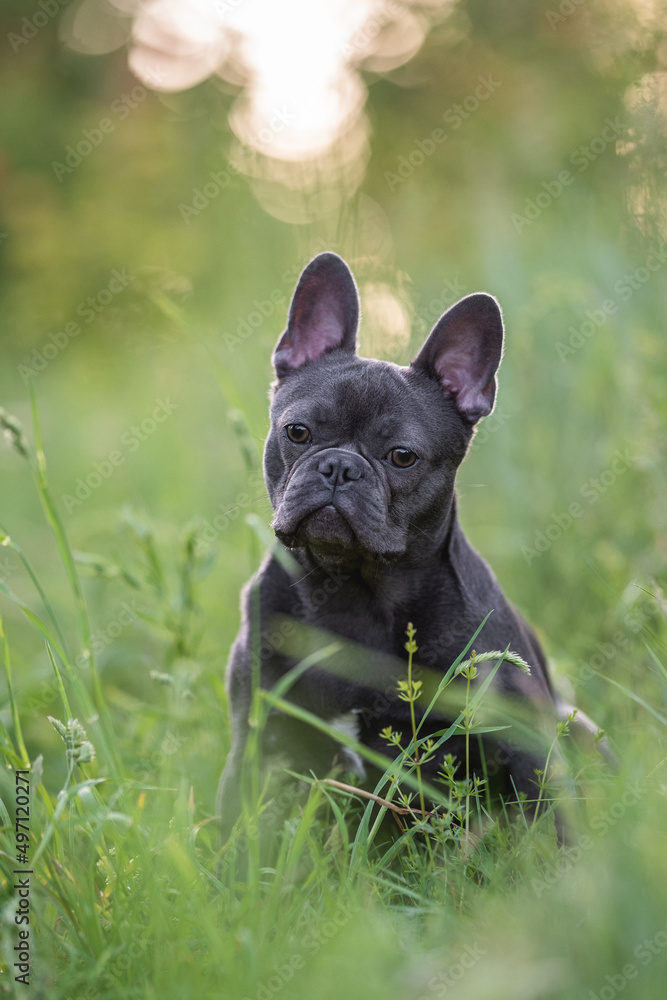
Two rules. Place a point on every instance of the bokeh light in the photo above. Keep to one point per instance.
(296, 67)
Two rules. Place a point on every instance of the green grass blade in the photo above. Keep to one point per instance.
(62, 542)
(9, 542)
(636, 698)
(61, 688)
(16, 720)
(659, 664)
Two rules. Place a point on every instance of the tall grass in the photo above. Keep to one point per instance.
(132, 895)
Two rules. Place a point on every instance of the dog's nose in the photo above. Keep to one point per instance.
(341, 467)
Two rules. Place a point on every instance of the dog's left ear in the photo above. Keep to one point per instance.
(463, 352)
(323, 314)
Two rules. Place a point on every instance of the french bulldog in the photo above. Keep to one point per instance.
(360, 464)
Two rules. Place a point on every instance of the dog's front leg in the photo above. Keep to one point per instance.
(229, 800)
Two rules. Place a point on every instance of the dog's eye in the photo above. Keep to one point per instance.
(298, 433)
(402, 458)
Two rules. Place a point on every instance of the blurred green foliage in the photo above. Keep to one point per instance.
(160, 399)
(448, 224)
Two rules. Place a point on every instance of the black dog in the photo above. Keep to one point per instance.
(360, 465)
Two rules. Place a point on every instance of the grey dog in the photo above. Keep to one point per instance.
(360, 464)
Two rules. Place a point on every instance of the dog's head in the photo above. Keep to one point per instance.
(361, 456)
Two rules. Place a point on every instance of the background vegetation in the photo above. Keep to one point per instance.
(153, 418)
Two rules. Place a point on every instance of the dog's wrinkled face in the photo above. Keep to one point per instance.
(361, 457)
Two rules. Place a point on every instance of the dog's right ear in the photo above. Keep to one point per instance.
(323, 314)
